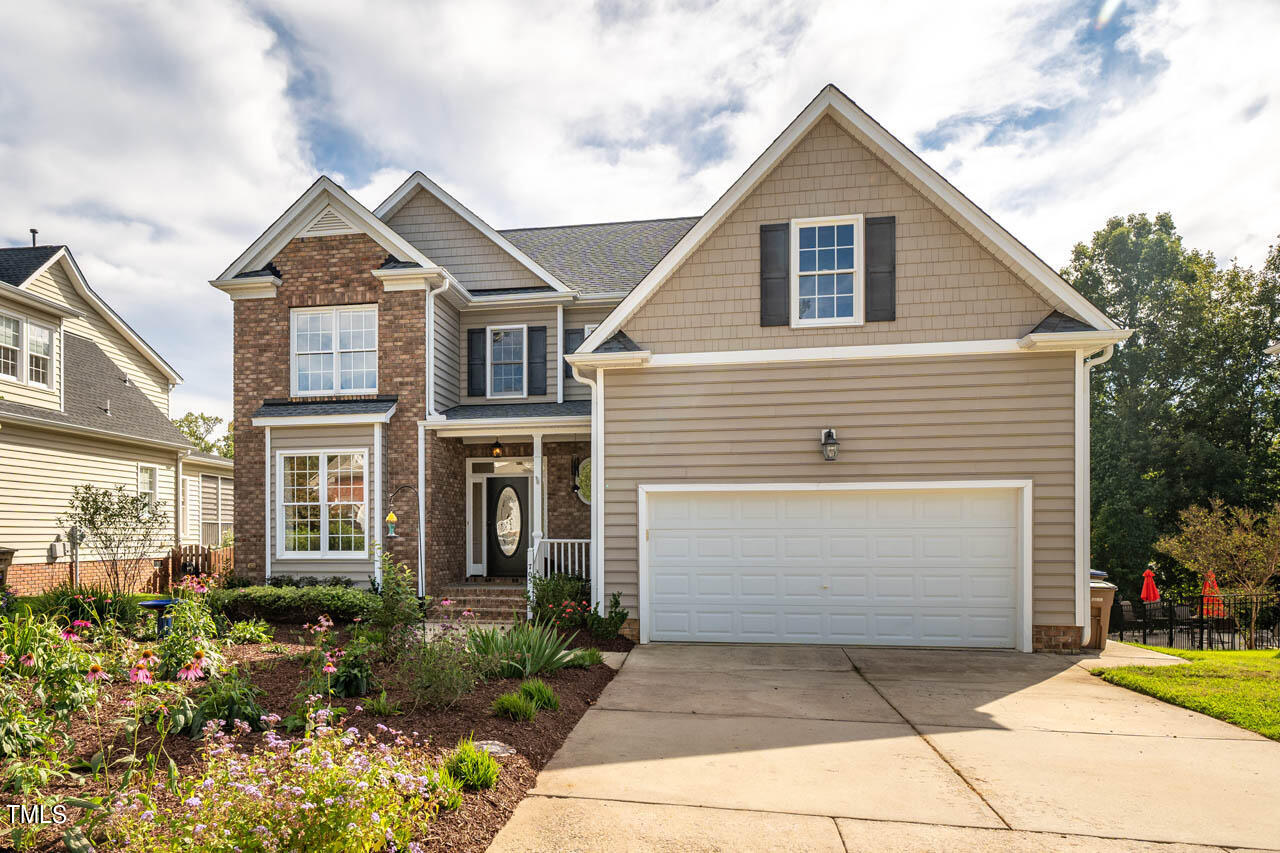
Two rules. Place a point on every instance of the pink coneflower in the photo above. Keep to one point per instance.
(140, 674)
(147, 656)
(328, 667)
(468, 612)
(82, 623)
(189, 672)
(95, 672)
(446, 602)
(197, 658)
(68, 634)
(4, 659)
(27, 660)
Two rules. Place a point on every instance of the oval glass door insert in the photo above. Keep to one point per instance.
(507, 521)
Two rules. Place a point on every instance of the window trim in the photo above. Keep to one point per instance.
(324, 553)
(25, 324)
(858, 220)
(336, 390)
(488, 362)
(155, 472)
(20, 363)
(53, 354)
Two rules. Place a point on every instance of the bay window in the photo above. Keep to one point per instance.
(335, 350)
(322, 506)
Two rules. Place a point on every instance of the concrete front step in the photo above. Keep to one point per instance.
(488, 601)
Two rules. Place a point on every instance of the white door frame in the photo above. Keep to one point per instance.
(1024, 488)
(482, 569)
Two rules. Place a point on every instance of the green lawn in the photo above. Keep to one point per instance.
(1242, 688)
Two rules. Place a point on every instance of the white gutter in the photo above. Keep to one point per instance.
(597, 482)
(430, 347)
(1083, 498)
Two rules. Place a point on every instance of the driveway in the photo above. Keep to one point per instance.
(743, 748)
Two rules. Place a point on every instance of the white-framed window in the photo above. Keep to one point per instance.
(827, 271)
(322, 504)
(334, 350)
(10, 347)
(149, 482)
(507, 361)
(40, 355)
(26, 351)
(190, 506)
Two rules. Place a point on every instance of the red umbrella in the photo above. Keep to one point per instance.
(1149, 591)
(1211, 600)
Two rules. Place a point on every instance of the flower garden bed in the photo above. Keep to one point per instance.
(379, 695)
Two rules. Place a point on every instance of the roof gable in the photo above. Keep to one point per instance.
(19, 263)
(418, 182)
(330, 209)
(866, 131)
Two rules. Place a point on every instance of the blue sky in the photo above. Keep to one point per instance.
(159, 139)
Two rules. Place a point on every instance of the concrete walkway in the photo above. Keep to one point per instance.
(744, 748)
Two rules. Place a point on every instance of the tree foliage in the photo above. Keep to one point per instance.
(1187, 409)
(200, 428)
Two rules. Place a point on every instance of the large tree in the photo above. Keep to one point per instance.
(199, 429)
(1187, 409)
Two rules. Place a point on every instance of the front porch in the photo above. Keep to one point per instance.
(523, 507)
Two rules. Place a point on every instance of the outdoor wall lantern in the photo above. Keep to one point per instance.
(830, 447)
(496, 449)
(391, 525)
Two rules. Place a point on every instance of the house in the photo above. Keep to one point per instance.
(842, 406)
(85, 400)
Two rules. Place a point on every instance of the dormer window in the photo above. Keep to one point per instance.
(26, 351)
(335, 350)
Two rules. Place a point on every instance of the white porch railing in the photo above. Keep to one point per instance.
(558, 557)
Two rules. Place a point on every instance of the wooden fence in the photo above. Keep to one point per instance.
(199, 560)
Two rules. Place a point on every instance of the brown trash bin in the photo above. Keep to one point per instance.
(1101, 595)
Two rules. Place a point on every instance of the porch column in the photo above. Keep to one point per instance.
(535, 532)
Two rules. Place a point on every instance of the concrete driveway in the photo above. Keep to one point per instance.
(743, 748)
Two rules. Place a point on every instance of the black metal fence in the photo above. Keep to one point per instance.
(1225, 621)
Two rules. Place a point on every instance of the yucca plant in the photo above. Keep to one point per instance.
(521, 651)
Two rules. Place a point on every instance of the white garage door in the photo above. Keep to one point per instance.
(917, 568)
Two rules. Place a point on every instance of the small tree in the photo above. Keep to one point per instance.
(125, 530)
(1241, 546)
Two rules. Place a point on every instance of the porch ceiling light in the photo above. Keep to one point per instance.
(830, 447)
(496, 449)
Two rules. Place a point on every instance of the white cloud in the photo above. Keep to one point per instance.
(159, 140)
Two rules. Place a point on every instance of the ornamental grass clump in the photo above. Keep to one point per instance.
(514, 706)
(540, 694)
(330, 792)
(471, 766)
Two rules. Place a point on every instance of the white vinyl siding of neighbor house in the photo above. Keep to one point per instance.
(215, 514)
(453, 243)
(494, 317)
(297, 440)
(578, 318)
(962, 418)
(54, 284)
(39, 469)
(445, 369)
(18, 389)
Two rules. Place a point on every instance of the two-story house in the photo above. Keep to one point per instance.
(85, 400)
(844, 405)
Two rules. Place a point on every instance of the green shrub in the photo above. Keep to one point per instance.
(249, 632)
(585, 658)
(399, 613)
(540, 694)
(560, 600)
(355, 669)
(91, 603)
(476, 769)
(514, 706)
(524, 650)
(229, 698)
(294, 605)
(192, 638)
(439, 670)
(24, 729)
(607, 627)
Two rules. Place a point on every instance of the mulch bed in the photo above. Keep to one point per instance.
(617, 644)
(470, 828)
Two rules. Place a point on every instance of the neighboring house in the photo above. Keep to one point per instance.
(412, 359)
(83, 400)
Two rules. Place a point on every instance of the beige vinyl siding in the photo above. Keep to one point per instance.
(40, 468)
(54, 284)
(510, 317)
(450, 241)
(215, 507)
(447, 355)
(19, 391)
(576, 318)
(949, 287)
(346, 437)
(981, 417)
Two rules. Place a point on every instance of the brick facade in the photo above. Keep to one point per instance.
(35, 578)
(1065, 639)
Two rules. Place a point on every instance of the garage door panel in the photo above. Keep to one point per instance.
(901, 568)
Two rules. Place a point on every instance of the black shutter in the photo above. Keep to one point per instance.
(573, 339)
(537, 360)
(775, 274)
(881, 269)
(475, 362)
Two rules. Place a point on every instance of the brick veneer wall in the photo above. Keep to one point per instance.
(314, 272)
(446, 497)
(1056, 638)
(567, 516)
(35, 578)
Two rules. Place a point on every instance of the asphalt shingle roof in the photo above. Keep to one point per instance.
(98, 395)
(607, 257)
(567, 409)
(1059, 322)
(619, 343)
(277, 408)
(18, 263)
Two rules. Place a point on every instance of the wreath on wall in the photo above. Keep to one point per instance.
(582, 481)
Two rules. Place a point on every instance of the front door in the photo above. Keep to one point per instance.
(507, 524)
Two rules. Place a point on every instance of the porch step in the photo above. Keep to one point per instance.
(489, 601)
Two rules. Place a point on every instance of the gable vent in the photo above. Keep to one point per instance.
(329, 222)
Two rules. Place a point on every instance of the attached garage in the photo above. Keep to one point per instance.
(902, 564)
